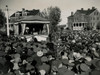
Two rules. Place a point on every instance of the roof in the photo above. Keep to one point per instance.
(33, 18)
(86, 12)
(29, 12)
(33, 12)
(71, 16)
(64, 25)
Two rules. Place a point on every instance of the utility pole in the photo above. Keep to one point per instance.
(7, 21)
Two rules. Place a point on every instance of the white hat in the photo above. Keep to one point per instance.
(27, 27)
(42, 72)
(88, 58)
(40, 53)
(73, 41)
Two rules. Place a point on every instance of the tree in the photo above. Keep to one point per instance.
(2, 18)
(98, 26)
(53, 14)
(54, 17)
(88, 27)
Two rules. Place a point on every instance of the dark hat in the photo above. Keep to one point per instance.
(30, 52)
(2, 53)
(56, 63)
(17, 55)
(45, 51)
(45, 67)
(1, 66)
(2, 60)
(29, 67)
(54, 68)
(65, 71)
(29, 59)
(62, 70)
(44, 59)
(24, 44)
(28, 45)
(35, 48)
(65, 61)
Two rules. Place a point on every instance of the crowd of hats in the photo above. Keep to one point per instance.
(75, 53)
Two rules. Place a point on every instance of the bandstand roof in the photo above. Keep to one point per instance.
(34, 19)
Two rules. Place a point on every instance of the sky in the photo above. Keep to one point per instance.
(66, 6)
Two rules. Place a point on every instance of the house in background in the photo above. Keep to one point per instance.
(81, 18)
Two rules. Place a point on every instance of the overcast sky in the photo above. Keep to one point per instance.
(66, 6)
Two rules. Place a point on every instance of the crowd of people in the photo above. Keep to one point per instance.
(74, 53)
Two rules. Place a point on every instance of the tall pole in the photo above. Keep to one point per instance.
(7, 21)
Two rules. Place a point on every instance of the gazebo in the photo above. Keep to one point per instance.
(36, 25)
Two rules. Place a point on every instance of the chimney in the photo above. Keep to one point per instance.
(23, 9)
(88, 8)
(93, 7)
(82, 9)
(72, 13)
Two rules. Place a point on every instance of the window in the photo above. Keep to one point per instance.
(97, 13)
(83, 24)
(93, 18)
(94, 13)
(77, 24)
(17, 15)
(74, 25)
(90, 18)
(93, 23)
(80, 24)
(97, 18)
(24, 13)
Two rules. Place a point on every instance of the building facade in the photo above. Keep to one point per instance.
(81, 18)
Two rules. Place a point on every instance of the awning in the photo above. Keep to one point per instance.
(34, 19)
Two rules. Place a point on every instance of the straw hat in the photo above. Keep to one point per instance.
(65, 61)
(39, 53)
(84, 67)
(42, 72)
(88, 58)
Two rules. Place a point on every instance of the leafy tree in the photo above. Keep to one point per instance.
(2, 18)
(98, 26)
(53, 14)
(88, 27)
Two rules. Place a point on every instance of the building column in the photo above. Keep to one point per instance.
(48, 28)
(16, 29)
(23, 26)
